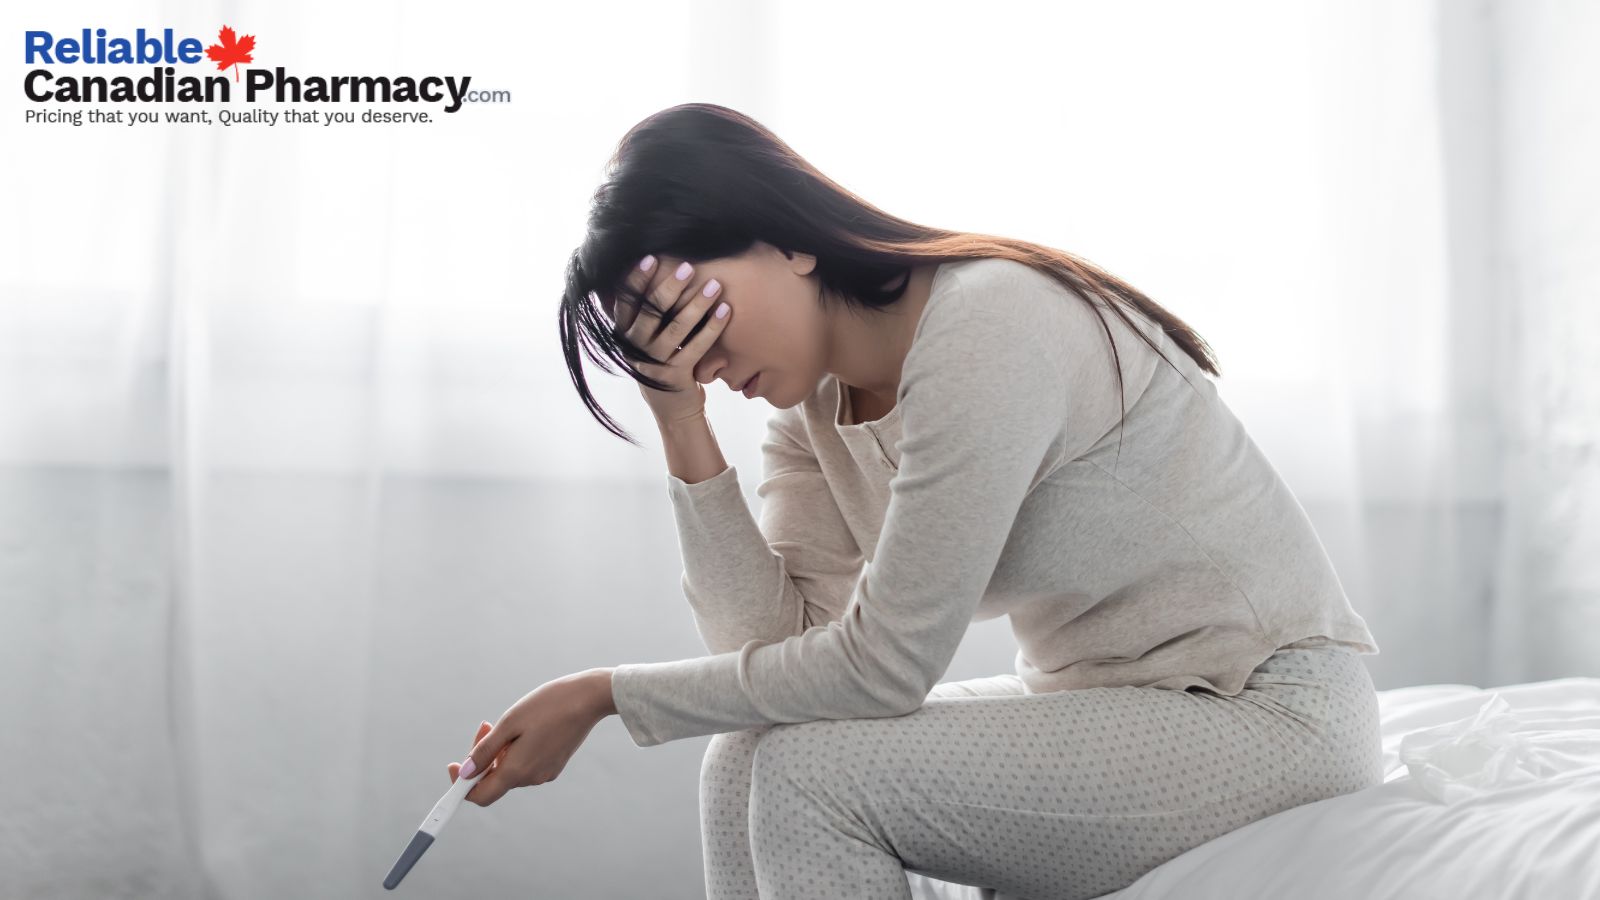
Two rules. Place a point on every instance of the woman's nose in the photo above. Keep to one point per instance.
(705, 371)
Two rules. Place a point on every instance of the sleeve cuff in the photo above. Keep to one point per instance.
(721, 486)
(630, 706)
(713, 516)
(666, 701)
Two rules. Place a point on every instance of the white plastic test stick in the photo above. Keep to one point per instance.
(442, 811)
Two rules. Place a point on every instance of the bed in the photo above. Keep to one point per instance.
(1487, 793)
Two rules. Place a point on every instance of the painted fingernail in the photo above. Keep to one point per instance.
(684, 270)
(648, 263)
(467, 768)
(711, 287)
(722, 310)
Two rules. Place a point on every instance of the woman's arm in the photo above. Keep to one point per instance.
(693, 454)
(747, 581)
(986, 393)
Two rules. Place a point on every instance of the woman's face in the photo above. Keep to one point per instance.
(775, 325)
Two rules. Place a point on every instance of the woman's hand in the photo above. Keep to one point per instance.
(675, 300)
(535, 737)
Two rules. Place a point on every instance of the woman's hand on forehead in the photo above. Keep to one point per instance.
(638, 284)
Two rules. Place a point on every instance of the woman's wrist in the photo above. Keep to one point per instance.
(604, 703)
(691, 448)
(680, 420)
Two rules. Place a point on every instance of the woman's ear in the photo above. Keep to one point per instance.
(801, 263)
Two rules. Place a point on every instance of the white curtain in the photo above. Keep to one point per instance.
(294, 490)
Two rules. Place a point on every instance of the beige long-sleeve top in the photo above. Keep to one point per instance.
(994, 487)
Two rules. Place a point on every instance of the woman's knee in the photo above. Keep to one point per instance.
(728, 758)
(824, 756)
(815, 758)
(779, 755)
(809, 774)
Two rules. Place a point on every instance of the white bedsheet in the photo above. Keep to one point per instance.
(1530, 829)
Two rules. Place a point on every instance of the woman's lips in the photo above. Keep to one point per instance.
(750, 385)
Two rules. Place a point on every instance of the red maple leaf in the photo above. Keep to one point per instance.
(231, 52)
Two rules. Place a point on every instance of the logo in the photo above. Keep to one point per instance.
(169, 56)
(231, 52)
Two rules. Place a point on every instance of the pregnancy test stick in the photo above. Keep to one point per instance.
(442, 811)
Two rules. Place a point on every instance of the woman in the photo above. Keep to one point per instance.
(967, 427)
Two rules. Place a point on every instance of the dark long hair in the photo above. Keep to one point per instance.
(700, 182)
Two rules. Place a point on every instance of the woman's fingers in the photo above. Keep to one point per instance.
(455, 767)
(643, 308)
(676, 332)
(696, 347)
(674, 289)
(661, 305)
(623, 308)
(669, 309)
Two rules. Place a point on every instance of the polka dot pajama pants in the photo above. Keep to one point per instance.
(1068, 794)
